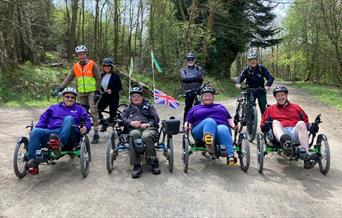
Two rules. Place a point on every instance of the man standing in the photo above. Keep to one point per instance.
(192, 79)
(88, 78)
(255, 75)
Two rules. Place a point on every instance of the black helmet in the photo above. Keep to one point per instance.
(107, 61)
(208, 89)
(136, 89)
(191, 55)
(280, 89)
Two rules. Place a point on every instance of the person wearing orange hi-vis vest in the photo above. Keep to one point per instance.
(88, 78)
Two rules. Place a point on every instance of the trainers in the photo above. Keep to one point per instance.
(308, 164)
(104, 127)
(155, 167)
(231, 160)
(54, 144)
(96, 138)
(285, 140)
(137, 171)
(32, 167)
(208, 140)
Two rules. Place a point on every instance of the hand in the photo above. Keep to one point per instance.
(314, 128)
(267, 126)
(238, 86)
(109, 91)
(97, 96)
(145, 125)
(187, 127)
(267, 88)
(135, 124)
(83, 130)
(56, 91)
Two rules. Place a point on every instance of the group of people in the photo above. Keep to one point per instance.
(208, 122)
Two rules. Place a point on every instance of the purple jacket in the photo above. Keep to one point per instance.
(200, 112)
(53, 117)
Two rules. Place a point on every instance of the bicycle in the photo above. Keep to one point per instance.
(246, 113)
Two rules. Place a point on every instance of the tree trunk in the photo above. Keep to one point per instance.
(72, 32)
(116, 29)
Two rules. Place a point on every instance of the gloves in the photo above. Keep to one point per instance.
(314, 128)
(97, 96)
(267, 126)
(56, 91)
(236, 119)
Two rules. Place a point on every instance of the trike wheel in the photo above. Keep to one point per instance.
(19, 157)
(185, 154)
(324, 160)
(170, 157)
(84, 156)
(110, 158)
(260, 153)
(244, 155)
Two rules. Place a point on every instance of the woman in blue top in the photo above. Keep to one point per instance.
(210, 122)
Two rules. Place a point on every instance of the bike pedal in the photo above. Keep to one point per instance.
(208, 139)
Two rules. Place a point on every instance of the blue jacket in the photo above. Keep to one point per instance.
(53, 117)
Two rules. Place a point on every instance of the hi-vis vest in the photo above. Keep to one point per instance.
(86, 81)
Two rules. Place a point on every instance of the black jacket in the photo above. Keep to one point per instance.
(114, 83)
(144, 113)
(255, 77)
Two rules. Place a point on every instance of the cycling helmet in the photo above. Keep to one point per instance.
(69, 90)
(136, 89)
(252, 55)
(107, 61)
(280, 89)
(208, 89)
(190, 55)
(80, 48)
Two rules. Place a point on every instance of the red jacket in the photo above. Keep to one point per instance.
(288, 115)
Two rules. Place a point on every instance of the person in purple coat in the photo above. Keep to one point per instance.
(210, 122)
(59, 121)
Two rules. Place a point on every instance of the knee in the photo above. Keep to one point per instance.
(147, 138)
(68, 119)
(210, 121)
(223, 129)
(134, 134)
(276, 123)
(301, 126)
(36, 131)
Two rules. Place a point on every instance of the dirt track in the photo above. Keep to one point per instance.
(210, 189)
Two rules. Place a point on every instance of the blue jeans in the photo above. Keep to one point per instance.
(221, 133)
(39, 136)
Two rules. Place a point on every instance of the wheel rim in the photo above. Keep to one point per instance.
(20, 159)
(324, 161)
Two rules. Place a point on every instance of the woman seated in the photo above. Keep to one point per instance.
(210, 122)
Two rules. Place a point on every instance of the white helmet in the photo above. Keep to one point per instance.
(80, 48)
(252, 55)
(69, 90)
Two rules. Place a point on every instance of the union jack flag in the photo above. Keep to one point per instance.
(162, 98)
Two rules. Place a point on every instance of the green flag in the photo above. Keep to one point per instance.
(155, 62)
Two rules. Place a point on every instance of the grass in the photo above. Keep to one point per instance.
(323, 93)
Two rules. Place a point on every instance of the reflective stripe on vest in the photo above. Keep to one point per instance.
(86, 81)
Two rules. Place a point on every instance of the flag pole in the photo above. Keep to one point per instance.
(130, 71)
(152, 65)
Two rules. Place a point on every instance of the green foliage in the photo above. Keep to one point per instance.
(324, 93)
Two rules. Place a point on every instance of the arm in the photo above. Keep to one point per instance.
(125, 117)
(268, 76)
(154, 121)
(242, 77)
(231, 123)
(68, 79)
(116, 85)
(97, 75)
(303, 116)
(44, 119)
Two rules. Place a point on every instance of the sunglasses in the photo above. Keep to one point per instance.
(107, 66)
(190, 59)
(69, 97)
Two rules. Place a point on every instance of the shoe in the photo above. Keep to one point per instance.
(104, 127)
(285, 140)
(155, 167)
(308, 164)
(96, 138)
(231, 160)
(55, 144)
(32, 167)
(302, 154)
(137, 171)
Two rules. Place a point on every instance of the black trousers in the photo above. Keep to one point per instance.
(189, 101)
(109, 100)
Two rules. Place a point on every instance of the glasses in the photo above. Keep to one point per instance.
(69, 97)
(190, 59)
(107, 66)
